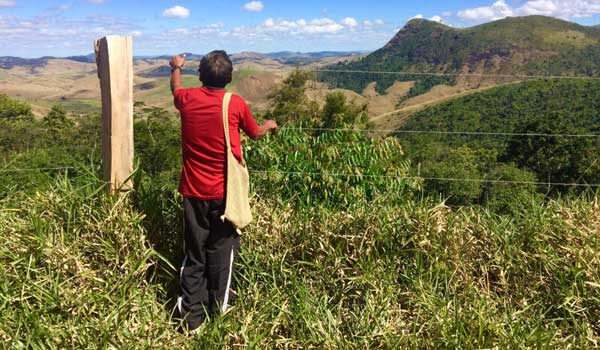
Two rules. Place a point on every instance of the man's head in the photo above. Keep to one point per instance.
(216, 69)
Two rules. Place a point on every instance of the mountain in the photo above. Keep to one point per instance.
(535, 45)
(320, 54)
(91, 58)
(9, 62)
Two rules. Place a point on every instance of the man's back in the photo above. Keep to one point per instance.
(211, 242)
(203, 139)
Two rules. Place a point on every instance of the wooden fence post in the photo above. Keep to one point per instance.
(114, 57)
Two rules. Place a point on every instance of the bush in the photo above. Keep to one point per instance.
(339, 113)
(12, 109)
(507, 197)
(289, 101)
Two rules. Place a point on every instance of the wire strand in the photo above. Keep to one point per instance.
(517, 76)
(22, 170)
(434, 132)
(562, 184)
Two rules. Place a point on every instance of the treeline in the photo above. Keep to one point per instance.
(541, 121)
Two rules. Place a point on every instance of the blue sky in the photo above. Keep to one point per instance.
(33, 28)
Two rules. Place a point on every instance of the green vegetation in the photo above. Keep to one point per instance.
(12, 109)
(543, 108)
(332, 262)
(82, 106)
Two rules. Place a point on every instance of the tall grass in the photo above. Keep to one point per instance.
(79, 269)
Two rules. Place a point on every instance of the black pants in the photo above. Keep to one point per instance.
(210, 247)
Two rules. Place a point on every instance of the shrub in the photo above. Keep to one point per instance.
(11, 108)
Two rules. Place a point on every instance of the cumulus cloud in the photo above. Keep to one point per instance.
(437, 19)
(350, 22)
(556, 8)
(499, 9)
(7, 3)
(301, 26)
(255, 6)
(419, 16)
(54, 34)
(176, 12)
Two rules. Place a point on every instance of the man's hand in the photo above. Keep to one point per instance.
(265, 128)
(177, 61)
(271, 125)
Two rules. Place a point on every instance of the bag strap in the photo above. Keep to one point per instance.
(226, 100)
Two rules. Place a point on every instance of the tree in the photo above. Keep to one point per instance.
(514, 190)
(459, 165)
(289, 100)
(57, 118)
(338, 112)
(12, 109)
(554, 155)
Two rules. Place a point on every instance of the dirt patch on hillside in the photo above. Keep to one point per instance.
(318, 92)
(256, 88)
(378, 104)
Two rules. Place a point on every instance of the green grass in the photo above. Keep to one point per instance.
(82, 106)
(79, 269)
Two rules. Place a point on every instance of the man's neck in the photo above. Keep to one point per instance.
(214, 88)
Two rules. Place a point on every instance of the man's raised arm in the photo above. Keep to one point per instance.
(176, 63)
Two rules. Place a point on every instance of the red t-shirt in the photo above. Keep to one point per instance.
(203, 139)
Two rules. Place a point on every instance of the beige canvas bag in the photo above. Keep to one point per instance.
(237, 203)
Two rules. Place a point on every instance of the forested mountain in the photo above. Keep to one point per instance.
(533, 45)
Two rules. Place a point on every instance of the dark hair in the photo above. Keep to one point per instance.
(216, 69)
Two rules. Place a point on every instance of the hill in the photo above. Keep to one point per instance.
(540, 121)
(72, 81)
(533, 45)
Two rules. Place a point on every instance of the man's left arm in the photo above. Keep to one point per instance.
(176, 63)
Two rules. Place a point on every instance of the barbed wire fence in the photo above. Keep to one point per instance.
(390, 132)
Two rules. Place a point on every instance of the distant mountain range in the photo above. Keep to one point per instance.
(286, 57)
(535, 45)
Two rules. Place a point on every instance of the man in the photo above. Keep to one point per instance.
(210, 244)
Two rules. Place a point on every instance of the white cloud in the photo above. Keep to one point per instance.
(176, 12)
(379, 22)
(556, 8)
(255, 6)
(419, 16)
(7, 3)
(277, 29)
(499, 9)
(50, 33)
(96, 1)
(349, 22)
(54, 34)
(437, 19)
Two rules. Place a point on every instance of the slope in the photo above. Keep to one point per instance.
(523, 45)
